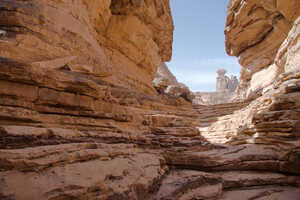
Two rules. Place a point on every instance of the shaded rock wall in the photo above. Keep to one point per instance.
(122, 42)
(80, 119)
(77, 107)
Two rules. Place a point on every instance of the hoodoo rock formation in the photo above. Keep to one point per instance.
(225, 91)
(81, 119)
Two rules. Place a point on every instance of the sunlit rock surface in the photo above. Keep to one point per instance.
(166, 84)
(80, 118)
(254, 32)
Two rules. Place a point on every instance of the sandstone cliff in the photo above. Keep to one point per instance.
(80, 119)
(254, 32)
(123, 42)
(270, 69)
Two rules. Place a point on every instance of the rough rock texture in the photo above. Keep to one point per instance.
(121, 42)
(273, 116)
(166, 83)
(80, 119)
(258, 26)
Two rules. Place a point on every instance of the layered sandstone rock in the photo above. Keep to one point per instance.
(265, 37)
(77, 99)
(121, 42)
(80, 119)
(254, 32)
(273, 116)
(166, 83)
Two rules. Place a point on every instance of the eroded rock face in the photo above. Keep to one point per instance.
(80, 171)
(258, 26)
(104, 38)
(80, 119)
(166, 83)
(272, 117)
(156, 15)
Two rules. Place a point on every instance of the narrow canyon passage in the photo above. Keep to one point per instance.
(85, 114)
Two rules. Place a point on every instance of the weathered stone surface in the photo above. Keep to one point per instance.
(188, 184)
(80, 118)
(75, 36)
(257, 26)
(60, 172)
(156, 15)
(166, 83)
(273, 116)
(287, 58)
(224, 83)
(265, 193)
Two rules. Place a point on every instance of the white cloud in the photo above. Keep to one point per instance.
(229, 63)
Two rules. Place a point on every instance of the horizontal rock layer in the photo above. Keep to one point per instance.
(166, 84)
(121, 43)
(80, 119)
(258, 26)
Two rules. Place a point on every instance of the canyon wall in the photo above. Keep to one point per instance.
(264, 35)
(255, 30)
(122, 42)
(269, 77)
(80, 118)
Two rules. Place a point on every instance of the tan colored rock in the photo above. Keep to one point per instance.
(84, 35)
(75, 75)
(138, 43)
(163, 71)
(156, 14)
(61, 172)
(280, 193)
(80, 118)
(166, 83)
(188, 185)
(262, 79)
(287, 57)
(257, 26)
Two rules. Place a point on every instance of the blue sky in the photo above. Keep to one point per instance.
(199, 43)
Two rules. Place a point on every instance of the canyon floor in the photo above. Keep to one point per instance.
(80, 118)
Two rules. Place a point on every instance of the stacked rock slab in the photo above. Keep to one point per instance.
(274, 83)
(255, 30)
(166, 84)
(80, 119)
(77, 105)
